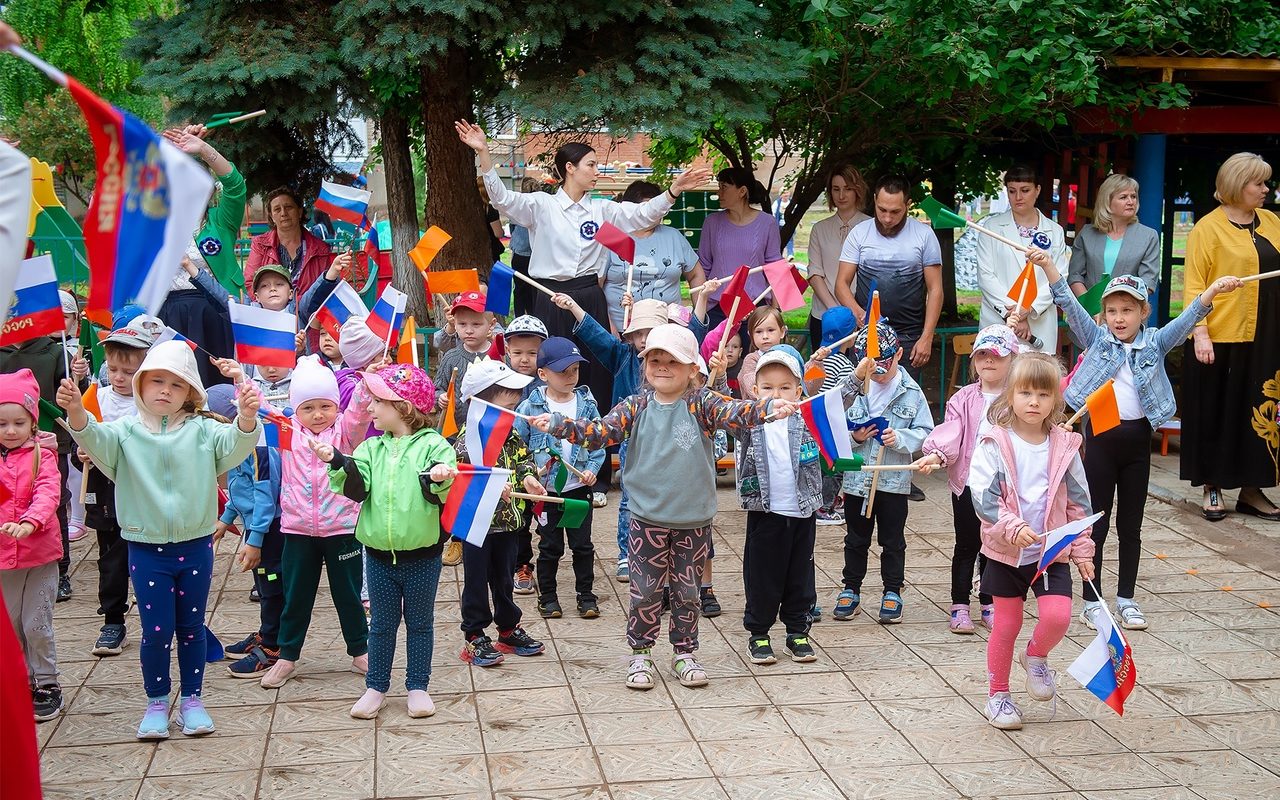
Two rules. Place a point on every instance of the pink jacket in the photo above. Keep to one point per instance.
(35, 495)
(955, 439)
(308, 507)
(994, 483)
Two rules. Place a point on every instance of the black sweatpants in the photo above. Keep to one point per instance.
(1118, 466)
(551, 541)
(113, 575)
(64, 505)
(489, 571)
(524, 540)
(889, 520)
(777, 572)
(968, 547)
(269, 582)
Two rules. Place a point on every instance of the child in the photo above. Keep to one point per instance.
(1026, 478)
(951, 445)
(165, 462)
(319, 524)
(671, 472)
(489, 570)
(780, 487)
(837, 323)
(362, 351)
(558, 361)
(253, 495)
(1119, 460)
(125, 349)
(330, 352)
(524, 335)
(896, 398)
(30, 542)
(732, 355)
(400, 478)
(765, 327)
(75, 477)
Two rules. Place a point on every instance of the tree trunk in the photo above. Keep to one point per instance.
(453, 200)
(402, 208)
(944, 191)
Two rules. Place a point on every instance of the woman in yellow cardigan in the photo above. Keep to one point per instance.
(1231, 365)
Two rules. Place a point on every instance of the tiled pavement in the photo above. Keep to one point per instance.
(885, 712)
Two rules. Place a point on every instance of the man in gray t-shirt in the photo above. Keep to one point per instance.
(902, 256)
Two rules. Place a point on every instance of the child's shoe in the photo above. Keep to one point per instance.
(890, 608)
(710, 605)
(369, 704)
(550, 609)
(960, 620)
(76, 532)
(689, 672)
(1041, 681)
(47, 702)
(988, 615)
(279, 674)
(452, 553)
(155, 723)
(479, 650)
(111, 640)
(1002, 713)
(1131, 617)
(360, 664)
(523, 581)
(640, 671)
(800, 649)
(624, 571)
(815, 614)
(588, 609)
(518, 641)
(243, 647)
(847, 603)
(761, 652)
(193, 718)
(1089, 616)
(257, 662)
(420, 704)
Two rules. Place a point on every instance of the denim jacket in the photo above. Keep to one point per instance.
(911, 420)
(1103, 352)
(544, 445)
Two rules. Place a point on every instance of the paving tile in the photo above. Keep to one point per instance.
(1106, 771)
(524, 733)
(217, 753)
(91, 763)
(708, 788)
(1217, 774)
(225, 784)
(655, 761)
(322, 781)
(766, 787)
(903, 782)
(299, 749)
(640, 727)
(527, 771)
(779, 755)
(736, 723)
(1000, 778)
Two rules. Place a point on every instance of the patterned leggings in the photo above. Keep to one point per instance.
(662, 557)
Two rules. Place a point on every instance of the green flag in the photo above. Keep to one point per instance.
(91, 346)
(843, 465)
(561, 477)
(48, 414)
(574, 514)
(1092, 299)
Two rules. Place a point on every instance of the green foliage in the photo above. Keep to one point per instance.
(52, 129)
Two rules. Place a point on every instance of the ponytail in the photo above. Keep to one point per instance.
(757, 195)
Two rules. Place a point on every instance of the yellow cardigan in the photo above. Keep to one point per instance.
(1216, 248)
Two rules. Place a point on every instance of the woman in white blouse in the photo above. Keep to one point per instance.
(847, 196)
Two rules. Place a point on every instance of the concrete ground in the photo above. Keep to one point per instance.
(886, 711)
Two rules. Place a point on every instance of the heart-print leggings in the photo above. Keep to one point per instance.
(665, 557)
(171, 582)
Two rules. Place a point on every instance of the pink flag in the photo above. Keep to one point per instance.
(614, 238)
(786, 290)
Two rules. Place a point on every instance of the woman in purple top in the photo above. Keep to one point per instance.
(738, 234)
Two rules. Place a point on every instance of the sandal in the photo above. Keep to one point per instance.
(1214, 511)
(687, 669)
(640, 672)
(1131, 617)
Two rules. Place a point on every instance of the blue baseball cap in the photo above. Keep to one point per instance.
(558, 354)
(837, 323)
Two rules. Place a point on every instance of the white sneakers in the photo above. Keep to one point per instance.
(1041, 681)
(1002, 713)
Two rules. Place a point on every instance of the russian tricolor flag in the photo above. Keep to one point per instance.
(169, 334)
(343, 203)
(386, 318)
(825, 416)
(264, 338)
(277, 429)
(1059, 539)
(35, 309)
(488, 427)
(472, 500)
(377, 257)
(1106, 666)
(341, 304)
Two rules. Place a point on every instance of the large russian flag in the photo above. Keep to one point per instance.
(264, 338)
(35, 309)
(386, 318)
(472, 500)
(148, 199)
(344, 203)
(1106, 666)
(825, 416)
(341, 304)
(488, 427)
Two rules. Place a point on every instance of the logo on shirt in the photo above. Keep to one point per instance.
(588, 230)
(1041, 240)
(210, 246)
(685, 434)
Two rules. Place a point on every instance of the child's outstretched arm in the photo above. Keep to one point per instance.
(1079, 320)
(716, 412)
(235, 442)
(606, 347)
(101, 442)
(1177, 331)
(593, 433)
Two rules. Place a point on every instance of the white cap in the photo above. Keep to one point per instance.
(68, 300)
(526, 325)
(776, 356)
(675, 339)
(487, 372)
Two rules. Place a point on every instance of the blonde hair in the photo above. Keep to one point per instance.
(1038, 371)
(1114, 183)
(758, 316)
(416, 420)
(852, 178)
(1237, 172)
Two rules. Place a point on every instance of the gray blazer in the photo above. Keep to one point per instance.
(1139, 255)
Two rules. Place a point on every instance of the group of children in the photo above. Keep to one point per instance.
(361, 489)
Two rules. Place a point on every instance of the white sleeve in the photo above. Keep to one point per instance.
(632, 217)
(15, 215)
(520, 207)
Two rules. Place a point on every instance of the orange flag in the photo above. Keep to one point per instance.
(449, 424)
(1024, 289)
(815, 372)
(1104, 413)
(90, 401)
(873, 336)
(425, 251)
(452, 281)
(407, 352)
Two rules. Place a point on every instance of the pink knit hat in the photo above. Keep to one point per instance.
(402, 382)
(21, 387)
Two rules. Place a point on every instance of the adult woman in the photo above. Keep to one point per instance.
(521, 250)
(288, 244)
(1231, 366)
(738, 234)
(999, 264)
(663, 257)
(566, 257)
(1115, 243)
(847, 196)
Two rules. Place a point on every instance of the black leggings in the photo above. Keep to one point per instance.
(968, 547)
(1118, 465)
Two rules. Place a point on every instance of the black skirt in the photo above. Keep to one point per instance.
(588, 294)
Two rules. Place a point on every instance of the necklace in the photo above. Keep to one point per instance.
(1251, 227)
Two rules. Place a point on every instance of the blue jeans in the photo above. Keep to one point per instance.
(624, 504)
(171, 582)
(407, 585)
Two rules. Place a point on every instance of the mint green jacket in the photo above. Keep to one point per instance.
(396, 515)
(166, 480)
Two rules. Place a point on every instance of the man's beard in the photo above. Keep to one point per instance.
(889, 233)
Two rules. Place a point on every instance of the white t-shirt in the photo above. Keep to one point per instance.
(984, 424)
(881, 393)
(1126, 393)
(782, 485)
(569, 410)
(897, 265)
(1032, 464)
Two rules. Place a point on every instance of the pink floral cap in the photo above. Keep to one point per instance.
(403, 382)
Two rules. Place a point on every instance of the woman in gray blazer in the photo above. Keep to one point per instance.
(1115, 243)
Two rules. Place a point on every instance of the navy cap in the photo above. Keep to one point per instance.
(558, 354)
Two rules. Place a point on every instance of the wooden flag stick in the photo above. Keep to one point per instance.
(762, 296)
(626, 317)
(1076, 416)
(1021, 248)
(724, 337)
(533, 283)
(85, 468)
(751, 271)
(233, 120)
(1263, 276)
(875, 479)
(538, 498)
(889, 468)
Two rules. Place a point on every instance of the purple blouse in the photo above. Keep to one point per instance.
(725, 246)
